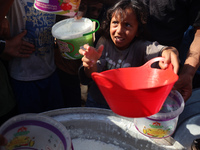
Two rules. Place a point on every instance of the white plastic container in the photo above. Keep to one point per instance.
(162, 124)
(71, 34)
(59, 7)
(34, 131)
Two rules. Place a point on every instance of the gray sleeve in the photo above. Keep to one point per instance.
(154, 49)
(101, 64)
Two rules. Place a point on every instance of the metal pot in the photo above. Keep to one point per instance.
(105, 126)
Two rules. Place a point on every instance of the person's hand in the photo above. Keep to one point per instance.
(184, 86)
(82, 10)
(184, 83)
(3, 140)
(171, 56)
(17, 47)
(90, 55)
(79, 15)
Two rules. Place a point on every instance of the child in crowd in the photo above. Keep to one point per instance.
(122, 46)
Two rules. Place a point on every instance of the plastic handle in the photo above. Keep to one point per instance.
(95, 29)
(153, 60)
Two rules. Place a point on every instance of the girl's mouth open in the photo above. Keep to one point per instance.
(119, 39)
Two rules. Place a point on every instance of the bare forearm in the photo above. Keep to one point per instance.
(4, 7)
(193, 56)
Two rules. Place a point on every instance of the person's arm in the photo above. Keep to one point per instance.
(193, 56)
(4, 29)
(4, 7)
(90, 57)
(192, 62)
(16, 47)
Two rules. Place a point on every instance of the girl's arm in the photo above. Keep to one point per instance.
(90, 57)
(171, 56)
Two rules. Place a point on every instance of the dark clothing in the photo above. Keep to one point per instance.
(92, 103)
(71, 90)
(38, 96)
(169, 19)
(7, 100)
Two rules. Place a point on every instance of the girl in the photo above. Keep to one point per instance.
(121, 46)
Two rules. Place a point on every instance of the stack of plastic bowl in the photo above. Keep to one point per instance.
(35, 132)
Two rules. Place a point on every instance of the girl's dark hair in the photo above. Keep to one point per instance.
(140, 9)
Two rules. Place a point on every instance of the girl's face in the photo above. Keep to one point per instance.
(123, 32)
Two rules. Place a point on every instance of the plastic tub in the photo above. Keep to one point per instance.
(71, 34)
(33, 131)
(59, 7)
(136, 91)
(162, 124)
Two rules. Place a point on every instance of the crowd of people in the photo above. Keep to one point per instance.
(34, 77)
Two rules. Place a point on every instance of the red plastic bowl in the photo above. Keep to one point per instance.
(136, 91)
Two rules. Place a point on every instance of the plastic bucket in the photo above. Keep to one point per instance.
(136, 91)
(33, 131)
(59, 7)
(162, 124)
(71, 34)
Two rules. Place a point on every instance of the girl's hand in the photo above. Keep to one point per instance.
(90, 55)
(171, 56)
